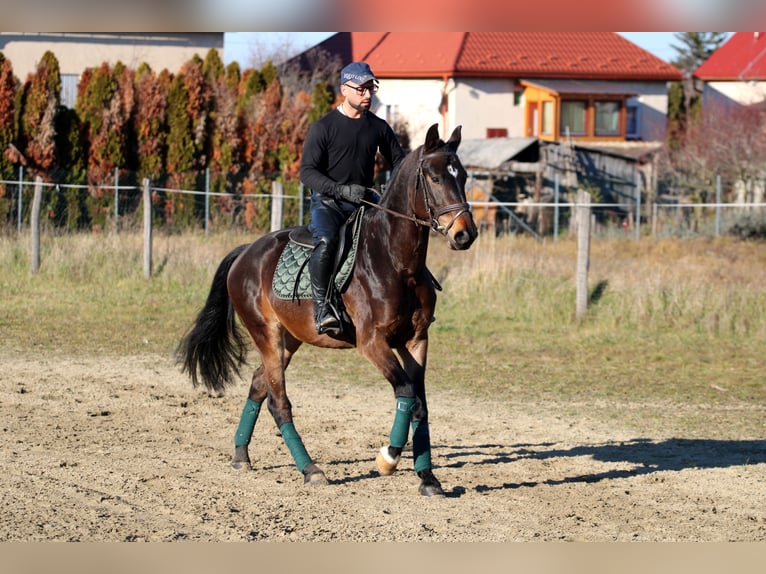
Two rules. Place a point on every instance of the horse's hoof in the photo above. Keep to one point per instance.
(241, 459)
(431, 490)
(386, 464)
(241, 465)
(429, 484)
(313, 476)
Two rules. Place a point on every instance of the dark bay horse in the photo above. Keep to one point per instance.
(390, 298)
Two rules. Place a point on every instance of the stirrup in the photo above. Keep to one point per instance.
(327, 323)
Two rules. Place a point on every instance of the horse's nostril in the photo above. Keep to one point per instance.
(463, 238)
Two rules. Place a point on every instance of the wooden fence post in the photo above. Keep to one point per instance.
(583, 251)
(35, 224)
(277, 203)
(147, 229)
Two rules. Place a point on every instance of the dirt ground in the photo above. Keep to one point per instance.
(124, 449)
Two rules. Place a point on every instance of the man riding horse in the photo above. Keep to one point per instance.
(338, 165)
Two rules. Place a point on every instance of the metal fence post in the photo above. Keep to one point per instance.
(207, 200)
(116, 199)
(21, 187)
(147, 229)
(718, 205)
(556, 207)
(638, 206)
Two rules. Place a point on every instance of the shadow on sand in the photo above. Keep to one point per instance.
(647, 456)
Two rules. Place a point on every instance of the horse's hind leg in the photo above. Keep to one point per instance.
(275, 358)
(247, 421)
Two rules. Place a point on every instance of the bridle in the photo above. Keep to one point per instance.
(433, 215)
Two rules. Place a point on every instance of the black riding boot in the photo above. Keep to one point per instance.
(320, 269)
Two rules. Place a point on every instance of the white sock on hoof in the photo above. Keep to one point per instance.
(386, 463)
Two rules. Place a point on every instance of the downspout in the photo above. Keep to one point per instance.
(444, 105)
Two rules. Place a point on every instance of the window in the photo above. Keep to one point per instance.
(607, 118)
(547, 129)
(632, 121)
(69, 89)
(517, 97)
(573, 117)
(497, 133)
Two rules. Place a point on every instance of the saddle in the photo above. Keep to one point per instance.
(291, 276)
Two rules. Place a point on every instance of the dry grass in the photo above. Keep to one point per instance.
(672, 323)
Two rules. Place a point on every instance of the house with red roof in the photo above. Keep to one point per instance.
(592, 87)
(736, 72)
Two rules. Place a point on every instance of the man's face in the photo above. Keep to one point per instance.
(359, 97)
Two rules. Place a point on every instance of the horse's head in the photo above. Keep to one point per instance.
(441, 182)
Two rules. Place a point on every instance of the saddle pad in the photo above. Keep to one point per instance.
(294, 258)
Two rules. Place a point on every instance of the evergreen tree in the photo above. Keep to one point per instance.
(150, 122)
(321, 101)
(684, 99)
(71, 207)
(8, 87)
(40, 101)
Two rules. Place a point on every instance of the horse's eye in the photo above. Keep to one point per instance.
(436, 179)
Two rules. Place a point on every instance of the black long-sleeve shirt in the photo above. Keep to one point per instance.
(339, 149)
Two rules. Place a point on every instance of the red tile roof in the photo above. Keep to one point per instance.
(593, 55)
(741, 57)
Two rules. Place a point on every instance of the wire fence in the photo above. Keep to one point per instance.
(119, 207)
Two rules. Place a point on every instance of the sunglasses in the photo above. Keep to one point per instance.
(360, 90)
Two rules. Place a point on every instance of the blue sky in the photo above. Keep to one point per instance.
(241, 45)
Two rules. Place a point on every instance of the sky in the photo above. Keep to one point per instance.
(241, 46)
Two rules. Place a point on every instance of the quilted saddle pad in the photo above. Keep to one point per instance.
(294, 259)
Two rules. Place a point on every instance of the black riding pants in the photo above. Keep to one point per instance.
(327, 216)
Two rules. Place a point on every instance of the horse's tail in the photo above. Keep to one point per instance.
(214, 348)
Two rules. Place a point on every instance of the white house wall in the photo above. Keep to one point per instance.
(77, 52)
(414, 101)
(479, 104)
(652, 98)
(743, 93)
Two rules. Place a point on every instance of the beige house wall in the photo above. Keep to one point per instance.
(76, 52)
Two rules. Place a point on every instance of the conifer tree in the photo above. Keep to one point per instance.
(9, 156)
(41, 97)
(150, 122)
(8, 86)
(684, 98)
(226, 142)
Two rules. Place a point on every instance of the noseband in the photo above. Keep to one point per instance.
(433, 215)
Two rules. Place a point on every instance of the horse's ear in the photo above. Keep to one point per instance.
(432, 138)
(454, 139)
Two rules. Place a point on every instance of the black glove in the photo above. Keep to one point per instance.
(352, 192)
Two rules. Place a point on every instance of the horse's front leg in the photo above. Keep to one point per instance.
(411, 409)
(414, 360)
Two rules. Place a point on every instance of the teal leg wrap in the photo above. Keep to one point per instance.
(247, 423)
(421, 445)
(401, 428)
(295, 444)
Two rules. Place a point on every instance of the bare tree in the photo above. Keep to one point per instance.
(729, 141)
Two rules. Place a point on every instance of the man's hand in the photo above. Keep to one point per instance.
(352, 192)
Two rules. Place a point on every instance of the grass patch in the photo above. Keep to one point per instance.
(677, 324)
